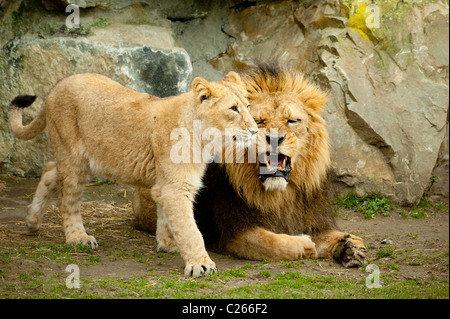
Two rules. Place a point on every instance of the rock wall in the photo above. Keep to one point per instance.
(384, 63)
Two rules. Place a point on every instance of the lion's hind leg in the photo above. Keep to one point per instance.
(164, 236)
(347, 249)
(72, 177)
(47, 186)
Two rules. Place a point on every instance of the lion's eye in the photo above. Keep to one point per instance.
(234, 108)
(259, 122)
(294, 121)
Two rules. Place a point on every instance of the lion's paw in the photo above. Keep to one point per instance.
(200, 269)
(307, 248)
(32, 225)
(33, 219)
(350, 251)
(85, 240)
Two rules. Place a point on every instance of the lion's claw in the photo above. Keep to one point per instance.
(200, 270)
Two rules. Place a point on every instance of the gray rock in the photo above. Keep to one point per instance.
(201, 35)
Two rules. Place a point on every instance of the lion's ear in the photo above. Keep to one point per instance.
(234, 78)
(202, 88)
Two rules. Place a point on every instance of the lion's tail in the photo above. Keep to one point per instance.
(31, 130)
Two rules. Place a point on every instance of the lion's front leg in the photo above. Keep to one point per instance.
(260, 244)
(177, 216)
(347, 249)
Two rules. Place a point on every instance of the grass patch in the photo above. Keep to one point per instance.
(42, 252)
(393, 267)
(292, 263)
(127, 265)
(418, 213)
(386, 252)
(298, 286)
(425, 201)
(265, 273)
(238, 272)
(369, 205)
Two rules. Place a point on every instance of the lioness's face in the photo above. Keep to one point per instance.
(283, 122)
(224, 105)
(231, 111)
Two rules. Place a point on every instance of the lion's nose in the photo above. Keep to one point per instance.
(275, 139)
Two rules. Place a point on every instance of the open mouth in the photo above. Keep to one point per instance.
(274, 165)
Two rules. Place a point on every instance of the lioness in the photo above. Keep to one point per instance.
(95, 125)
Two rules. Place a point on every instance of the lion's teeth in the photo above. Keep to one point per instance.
(266, 160)
(271, 164)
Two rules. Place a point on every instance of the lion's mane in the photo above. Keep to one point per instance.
(308, 176)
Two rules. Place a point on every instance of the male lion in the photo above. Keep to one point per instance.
(277, 209)
(96, 125)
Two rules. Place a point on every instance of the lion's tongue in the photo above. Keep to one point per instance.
(276, 162)
(274, 165)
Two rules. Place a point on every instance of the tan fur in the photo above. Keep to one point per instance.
(266, 245)
(267, 220)
(97, 126)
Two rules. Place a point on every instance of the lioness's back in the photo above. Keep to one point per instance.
(107, 122)
(89, 88)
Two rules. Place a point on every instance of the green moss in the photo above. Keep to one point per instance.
(17, 20)
(17, 14)
(101, 23)
(24, 17)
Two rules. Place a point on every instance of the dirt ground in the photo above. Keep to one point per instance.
(418, 247)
